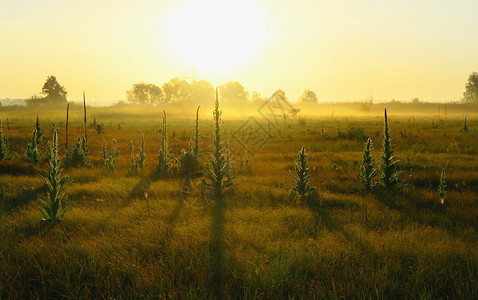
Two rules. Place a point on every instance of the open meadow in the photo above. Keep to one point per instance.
(134, 235)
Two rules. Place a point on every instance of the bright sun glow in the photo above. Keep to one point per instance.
(215, 36)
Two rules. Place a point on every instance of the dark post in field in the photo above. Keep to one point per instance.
(66, 131)
(84, 119)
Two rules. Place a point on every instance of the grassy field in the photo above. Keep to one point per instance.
(134, 237)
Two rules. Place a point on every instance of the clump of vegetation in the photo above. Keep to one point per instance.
(100, 128)
(218, 174)
(4, 149)
(110, 157)
(188, 163)
(352, 133)
(367, 171)
(164, 164)
(33, 154)
(389, 176)
(138, 162)
(79, 156)
(52, 211)
(302, 178)
(442, 187)
(465, 126)
(190, 160)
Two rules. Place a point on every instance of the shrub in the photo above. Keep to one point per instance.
(52, 211)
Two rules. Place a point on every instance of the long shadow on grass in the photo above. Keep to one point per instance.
(139, 189)
(434, 214)
(320, 213)
(217, 247)
(22, 198)
(177, 209)
(388, 198)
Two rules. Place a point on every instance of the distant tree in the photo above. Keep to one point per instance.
(145, 93)
(176, 90)
(279, 95)
(233, 93)
(471, 93)
(257, 97)
(202, 91)
(53, 90)
(308, 96)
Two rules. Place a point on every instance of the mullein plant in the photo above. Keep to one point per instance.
(367, 171)
(110, 157)
(190, 160)
(3, 144)
(33, 154)
(79, 156)
(218, 173)
(302, 178)
(138, 162)
(196, 151)
(164, 164)
(442, 187)
(389, 176)
(39, 132)
(52, 210)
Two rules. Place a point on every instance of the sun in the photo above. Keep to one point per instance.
(215, 36)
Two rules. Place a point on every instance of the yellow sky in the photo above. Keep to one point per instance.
(343, 50)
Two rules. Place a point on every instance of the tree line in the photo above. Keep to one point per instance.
(201, 91)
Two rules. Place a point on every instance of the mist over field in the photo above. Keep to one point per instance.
(238, 150)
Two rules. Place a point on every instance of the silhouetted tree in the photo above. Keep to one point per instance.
(202, 91)
(471, 93)
(279, 95)
(256, 97)
(145, 93)
(233, 93)
(308, 96)
(53, 90)
(176, 90)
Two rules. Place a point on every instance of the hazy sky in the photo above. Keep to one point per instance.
(343, 50)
